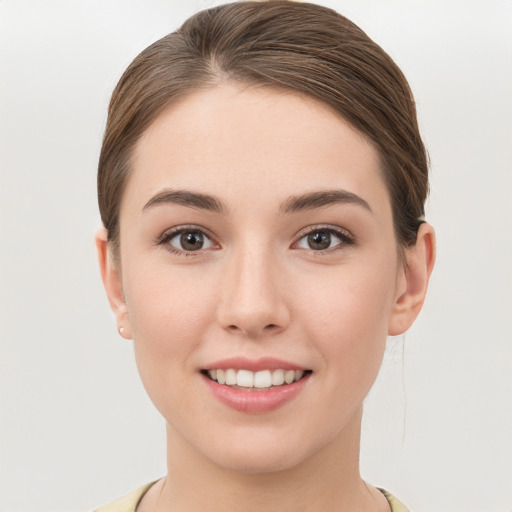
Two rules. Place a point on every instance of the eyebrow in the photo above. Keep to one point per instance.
(313, 200)
(187, 198)
(293, 204)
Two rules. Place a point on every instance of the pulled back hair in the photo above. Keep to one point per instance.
(300, 47)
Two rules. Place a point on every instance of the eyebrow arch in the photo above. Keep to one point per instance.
(187, 198)
(312, 200)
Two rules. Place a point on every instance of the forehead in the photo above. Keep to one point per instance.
(253, 143)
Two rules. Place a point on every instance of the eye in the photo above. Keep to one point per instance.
(323, 239)
(186, 240)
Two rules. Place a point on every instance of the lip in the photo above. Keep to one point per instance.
(253, 365)
(255, 402)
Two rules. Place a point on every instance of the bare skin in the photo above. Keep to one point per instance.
(257, 283)
(284, 491)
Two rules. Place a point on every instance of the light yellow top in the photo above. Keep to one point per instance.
(129, 502)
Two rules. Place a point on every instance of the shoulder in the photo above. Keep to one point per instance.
(395, 504)
(127, 503)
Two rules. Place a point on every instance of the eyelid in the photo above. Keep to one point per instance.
(346, 237)
(169, 234)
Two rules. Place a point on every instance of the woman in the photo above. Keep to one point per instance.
(261, 185)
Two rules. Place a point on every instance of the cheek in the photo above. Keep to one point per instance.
(352, 299)
(169, 313)
(349, 319)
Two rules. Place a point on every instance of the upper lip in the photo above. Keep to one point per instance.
(254, 365)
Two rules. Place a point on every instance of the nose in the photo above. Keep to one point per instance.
(252, 299)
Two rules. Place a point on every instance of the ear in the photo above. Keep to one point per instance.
(112, 281)
(413, 281)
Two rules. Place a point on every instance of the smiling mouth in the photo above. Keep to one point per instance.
(255, 381)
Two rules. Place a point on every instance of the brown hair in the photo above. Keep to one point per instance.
(299, 47)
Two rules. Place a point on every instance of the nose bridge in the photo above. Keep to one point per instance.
(252, 300)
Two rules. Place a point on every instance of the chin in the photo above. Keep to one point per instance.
(262, 452)
(262, 461)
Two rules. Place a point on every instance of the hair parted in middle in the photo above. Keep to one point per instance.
(299, 47)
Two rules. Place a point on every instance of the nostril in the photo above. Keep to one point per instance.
(267, 328)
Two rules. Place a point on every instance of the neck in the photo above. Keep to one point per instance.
(328, 480)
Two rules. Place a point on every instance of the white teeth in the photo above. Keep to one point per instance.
(263, 379)
(230, 377)
(289, 376)
(260, 380)
(245, 378)
(277, 377)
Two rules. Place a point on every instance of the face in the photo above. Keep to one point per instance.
(256, 245)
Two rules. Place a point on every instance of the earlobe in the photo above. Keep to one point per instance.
(414, 280)
(112, 281)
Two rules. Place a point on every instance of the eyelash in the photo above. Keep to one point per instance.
(346, 239)
(169, 235)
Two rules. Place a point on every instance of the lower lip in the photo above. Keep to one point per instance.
(256, 401)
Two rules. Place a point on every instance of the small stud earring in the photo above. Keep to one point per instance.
(121, 330)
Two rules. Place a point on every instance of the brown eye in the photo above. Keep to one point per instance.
(189, 241)
(319, 240)
(192, 241)
(323, 239)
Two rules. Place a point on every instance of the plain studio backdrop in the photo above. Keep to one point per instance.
(77, 429)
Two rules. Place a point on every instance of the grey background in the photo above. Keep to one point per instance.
(77, 429)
